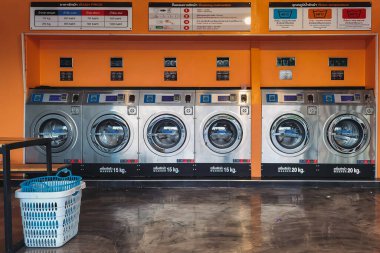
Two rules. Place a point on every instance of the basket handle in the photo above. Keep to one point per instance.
(65, 170)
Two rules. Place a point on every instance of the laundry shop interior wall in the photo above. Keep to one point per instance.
(253, 59)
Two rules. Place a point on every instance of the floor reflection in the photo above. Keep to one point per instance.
(227, 220)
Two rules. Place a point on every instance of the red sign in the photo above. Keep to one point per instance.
(352, 13)
(92, 13)
(116, 13)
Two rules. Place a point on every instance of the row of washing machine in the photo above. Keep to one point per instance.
(143, 132)
(318, 133)
(305, 133)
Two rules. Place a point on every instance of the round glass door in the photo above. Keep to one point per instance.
(348, 134)
(110, 133)
(166, 134)
(290, 134)
(222, 133)
(56, 127)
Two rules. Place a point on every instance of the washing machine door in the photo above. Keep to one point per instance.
(222, 133)
(57, 127)
(348, 134)
(290, 134)
(166, 133)
(109, 134)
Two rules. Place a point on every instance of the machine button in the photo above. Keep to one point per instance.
(132, 98)
(188, 98)
(120, 97)
(177, 97)
(244, 110)
(310, 98)
(232, 97)
(312, 110)
(75, 98)
(369, 111)
(132, 110)
(205, 99)
(243, 98)
(188, 111)
(75, 110)
(272, 98)
(64, 97)
(149, 99)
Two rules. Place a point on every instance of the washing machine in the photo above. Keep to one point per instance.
(289, 133)
(110, 132)
(56, 114)
(347, 124)
(223, 133)
(167, 132)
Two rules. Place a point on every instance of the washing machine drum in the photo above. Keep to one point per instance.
(166, 134)
(290, 134)
(57, 127)
(110, 134)
(222, 133)
(348, 134)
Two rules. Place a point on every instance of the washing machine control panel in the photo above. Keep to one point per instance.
(289, 98)
(331, 98)
(167, 98)
(107, 98)
(223, 98)
(49, 98)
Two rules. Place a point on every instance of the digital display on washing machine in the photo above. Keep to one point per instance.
(111, 98)
(54, 98)
(223, 98)
(167, 98)
(290, 98)
(347, 98)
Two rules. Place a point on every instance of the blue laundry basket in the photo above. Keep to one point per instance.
(55, 183)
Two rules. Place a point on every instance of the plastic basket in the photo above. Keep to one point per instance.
(50, 219)
(55, 183)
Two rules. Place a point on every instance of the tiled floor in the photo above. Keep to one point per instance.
(227, 220)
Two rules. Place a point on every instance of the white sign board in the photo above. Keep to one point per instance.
(200, 16)
(320, 16)
(81, 16)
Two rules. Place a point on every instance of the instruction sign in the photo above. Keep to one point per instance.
(320, 16)
(200, 16)
(81, 16)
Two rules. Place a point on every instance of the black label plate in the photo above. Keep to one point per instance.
(99, 170)
(317, 171)
(225, 170)
(167, 169)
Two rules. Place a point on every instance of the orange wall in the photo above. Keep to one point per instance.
(17, 19)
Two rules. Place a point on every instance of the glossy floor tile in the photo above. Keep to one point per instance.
(227, 220)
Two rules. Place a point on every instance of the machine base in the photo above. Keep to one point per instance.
(317, 171)
(225, 170)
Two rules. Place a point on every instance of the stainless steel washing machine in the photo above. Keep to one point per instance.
(223, 133)
(110, 127)
(347, 124)
(289, 133)
(56, 114)
(167, 132)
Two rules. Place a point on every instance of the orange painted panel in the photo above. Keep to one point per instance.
(312, 61)
(144, 63)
